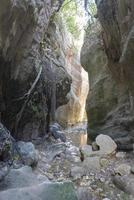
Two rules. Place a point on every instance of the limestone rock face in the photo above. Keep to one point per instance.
(107, 55)
(74, 111)
(26, 51)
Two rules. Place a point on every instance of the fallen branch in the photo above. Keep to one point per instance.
(27, 95)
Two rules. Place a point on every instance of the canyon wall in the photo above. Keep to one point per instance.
(61, 43)
(33, 80)
(108, 56)
(74, 111)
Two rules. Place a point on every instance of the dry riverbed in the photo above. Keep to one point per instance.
(93, 178)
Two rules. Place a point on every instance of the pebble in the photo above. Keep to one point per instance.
(102, 180)
(104, 162)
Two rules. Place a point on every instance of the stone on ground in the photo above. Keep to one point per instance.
(123, 169)
(28, 153)
(106, 144)
(92, 163)
(104, 162)
(44, 191)
(83, 194)
(86, 150)
(77, 172)
(124, 183)
(55, 150)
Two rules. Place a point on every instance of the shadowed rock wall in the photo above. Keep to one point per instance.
(107, 55)
(23, 55)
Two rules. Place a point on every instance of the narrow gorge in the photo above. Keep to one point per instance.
(66, 100)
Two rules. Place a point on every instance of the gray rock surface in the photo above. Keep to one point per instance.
(27, 48)
(77, 172)
(19, 178)
(107, 55)
(92, 163)
(44, 191)
(123, 169)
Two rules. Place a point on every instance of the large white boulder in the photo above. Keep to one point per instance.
(106, 144)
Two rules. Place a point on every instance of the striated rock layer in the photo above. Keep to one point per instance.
(67, 54)
(108, 56)
(74, 111)
(33, 81)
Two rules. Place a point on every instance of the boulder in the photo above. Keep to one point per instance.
(19, 178)
(106, 144)
(86, 150)
(55, 130)
(55, 150)
(28, 153)
(124, 183)
(44, 191)
(123, 169)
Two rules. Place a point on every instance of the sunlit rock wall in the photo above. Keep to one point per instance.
(74, 111)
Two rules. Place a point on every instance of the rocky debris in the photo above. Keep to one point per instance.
(55, 130)
(77, 172)
(22, 177)
(104, 162)
(28, 153)
(106, 144)
(92, 163)
(44, 191)
(96, 180)
(84, 194)
(5, 143)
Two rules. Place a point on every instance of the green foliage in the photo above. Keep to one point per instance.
(70, 12)
(92, 8)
